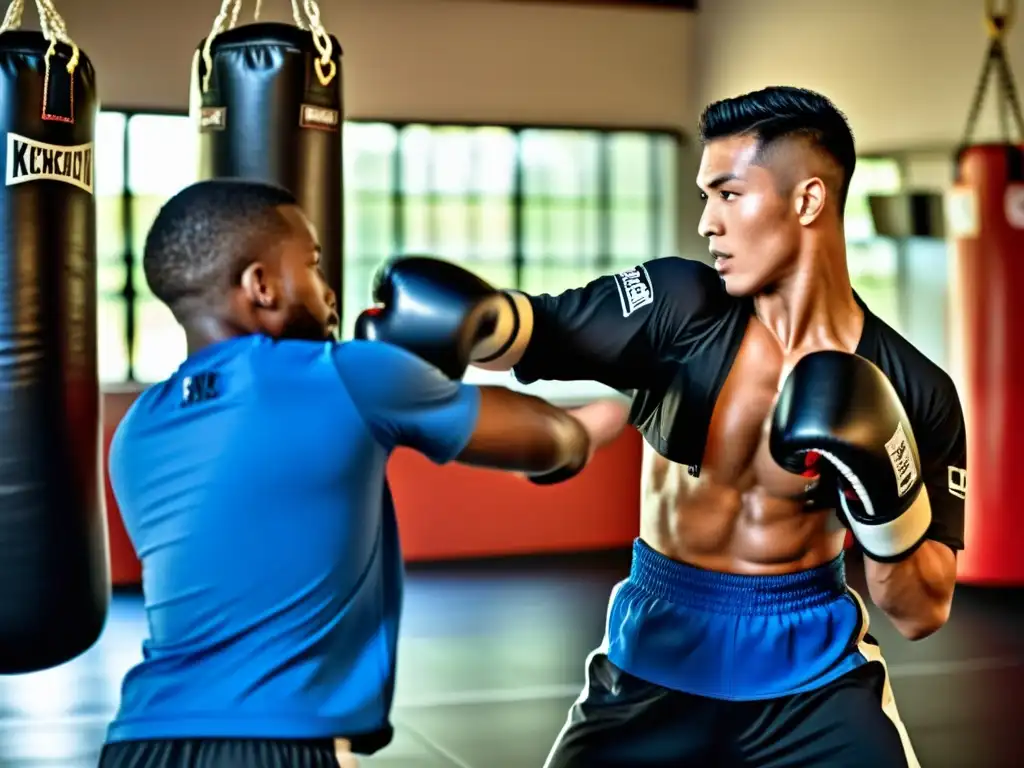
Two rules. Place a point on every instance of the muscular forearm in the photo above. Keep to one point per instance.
(917, 593)
(524, 433)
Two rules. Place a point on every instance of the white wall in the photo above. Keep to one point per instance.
(904, 71)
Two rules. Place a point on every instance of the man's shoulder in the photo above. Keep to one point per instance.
(288, 355)
(244, 369)
(376, 360)
(687, 288)
(279, 370)
(376, 373)
(138, 418)
(927, 390)
(670, 274)
(683, 268)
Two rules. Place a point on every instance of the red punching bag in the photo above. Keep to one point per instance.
(986, 225)
(987, 282)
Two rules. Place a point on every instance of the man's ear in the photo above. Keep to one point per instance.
(258, 286)
(809, 199)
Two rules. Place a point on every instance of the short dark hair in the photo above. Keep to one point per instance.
(203, 238)
(781, 112)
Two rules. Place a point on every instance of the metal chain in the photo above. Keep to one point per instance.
(228, 14)
(323, 44)
(1010, 94)
(997, 24)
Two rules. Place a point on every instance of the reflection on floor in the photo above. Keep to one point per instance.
(492, 657)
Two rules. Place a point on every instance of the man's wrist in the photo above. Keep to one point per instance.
(894, 539)
(504, 346)
(915, 593)
(507, 325)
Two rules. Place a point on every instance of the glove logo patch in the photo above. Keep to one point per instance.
(635, 289)
(902, 460)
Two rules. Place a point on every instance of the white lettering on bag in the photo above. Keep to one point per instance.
(29, 160)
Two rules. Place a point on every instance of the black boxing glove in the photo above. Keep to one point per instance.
(438, 311)
(843, 408)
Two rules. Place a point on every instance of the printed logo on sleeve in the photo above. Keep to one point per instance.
(200, 388)
(902, 460)
(957, 481)
(635, 289)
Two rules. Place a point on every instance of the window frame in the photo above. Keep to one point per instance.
(129, 258)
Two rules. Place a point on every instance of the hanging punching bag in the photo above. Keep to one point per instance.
(268, 103)
(54, 571)
(987, 279)
(985, 218)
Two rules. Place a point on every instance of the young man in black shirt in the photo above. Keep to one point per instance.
(778, 412)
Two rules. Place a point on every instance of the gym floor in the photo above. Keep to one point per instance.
(492, 656)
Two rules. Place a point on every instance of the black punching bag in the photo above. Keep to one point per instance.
(271, 110)
(54, 566)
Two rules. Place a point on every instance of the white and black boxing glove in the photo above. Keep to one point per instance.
(843, 408)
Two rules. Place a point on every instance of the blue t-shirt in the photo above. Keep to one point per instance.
(252, 484)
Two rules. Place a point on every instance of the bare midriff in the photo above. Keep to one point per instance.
(744, 513)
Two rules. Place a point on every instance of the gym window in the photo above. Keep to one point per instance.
(873, 261)
(536, 208)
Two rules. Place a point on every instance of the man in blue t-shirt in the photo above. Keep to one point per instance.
(252, 484)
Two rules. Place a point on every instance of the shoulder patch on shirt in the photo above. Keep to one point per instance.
(957, 484)
(199, 388)
(635, 289)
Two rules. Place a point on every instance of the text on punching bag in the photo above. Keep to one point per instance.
(29, 160)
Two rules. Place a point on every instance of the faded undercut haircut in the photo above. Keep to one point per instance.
(205, 236)
(775, 114)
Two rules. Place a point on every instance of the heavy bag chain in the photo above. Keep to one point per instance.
(326, 69)
(997, 24)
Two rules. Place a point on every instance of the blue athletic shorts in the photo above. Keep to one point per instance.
(700, 668)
